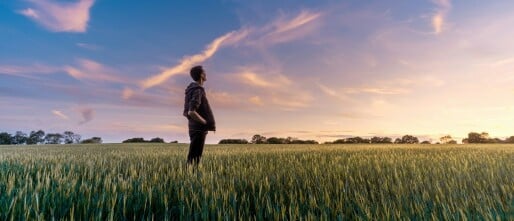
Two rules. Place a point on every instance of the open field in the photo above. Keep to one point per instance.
(262, 182)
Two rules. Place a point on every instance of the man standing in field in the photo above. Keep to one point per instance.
(199, 115)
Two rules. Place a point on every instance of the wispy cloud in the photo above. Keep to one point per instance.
(28, 70)
(279, 30)
(439, 17)
(84, 69)
(186, 63)
(60, 16)
(285, 29)
(60, 114)
(92, 70)
(256, 80)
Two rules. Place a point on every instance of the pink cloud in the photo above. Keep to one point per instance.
(87, 114)
(439, 17)
(60, 16)
(92, 70)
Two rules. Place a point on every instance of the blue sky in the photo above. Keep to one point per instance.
(319, 70)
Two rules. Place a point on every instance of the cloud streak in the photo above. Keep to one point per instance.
(60, 16)
(280, 30)
(60, 114)
(27, 71)
(92, 70)
(186, 63)
(283, 30)
(439, 17)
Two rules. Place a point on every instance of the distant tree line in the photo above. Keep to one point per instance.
(407, 139)
(40, 137)
(142, 140)
(259, 139)
(473, 137)
(483, 137)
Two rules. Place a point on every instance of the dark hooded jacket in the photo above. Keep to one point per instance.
(196, 100)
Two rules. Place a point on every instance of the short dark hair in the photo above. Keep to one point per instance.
(196, 72)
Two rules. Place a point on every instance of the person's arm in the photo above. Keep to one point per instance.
(196, 117)
(194, 104)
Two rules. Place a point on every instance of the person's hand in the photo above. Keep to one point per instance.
(196, 117)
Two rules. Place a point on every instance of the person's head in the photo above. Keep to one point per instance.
(198, 74)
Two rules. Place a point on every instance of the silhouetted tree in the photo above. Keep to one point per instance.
(156, 140)
(381, 140)
(36, 137)
(175, 141)
(356, 140)
(233, 141)
(426, 142)
(53, 138)
(409, 139)
(276, 140)
(258, 139)
(135, 140)
(509, 139)
(70, 137)
(474, 137)
(339, 141)
(397, 141)
(304, 142)
(5, 138)
(93, 140)
(19, 138)
(446, 139)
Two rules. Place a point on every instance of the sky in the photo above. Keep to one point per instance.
(317, 69)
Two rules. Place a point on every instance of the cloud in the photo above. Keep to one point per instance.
(144, 99)
(87, 114)
(186, 63)
(280, 30)
(284, 29)
(92, 70)
(254, 76)
(439, 17)
(85, 69)
(28, 71)
(60, 114)
(60, 16)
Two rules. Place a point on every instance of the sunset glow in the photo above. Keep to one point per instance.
(321, 70)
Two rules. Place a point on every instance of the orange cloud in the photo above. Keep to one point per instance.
(254, 77)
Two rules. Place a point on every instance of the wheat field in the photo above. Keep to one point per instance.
(257, 182)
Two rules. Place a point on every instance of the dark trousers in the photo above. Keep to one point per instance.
(197, 138)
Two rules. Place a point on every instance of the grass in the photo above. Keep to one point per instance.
(257, 182)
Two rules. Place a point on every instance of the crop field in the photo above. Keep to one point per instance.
(257, 182)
